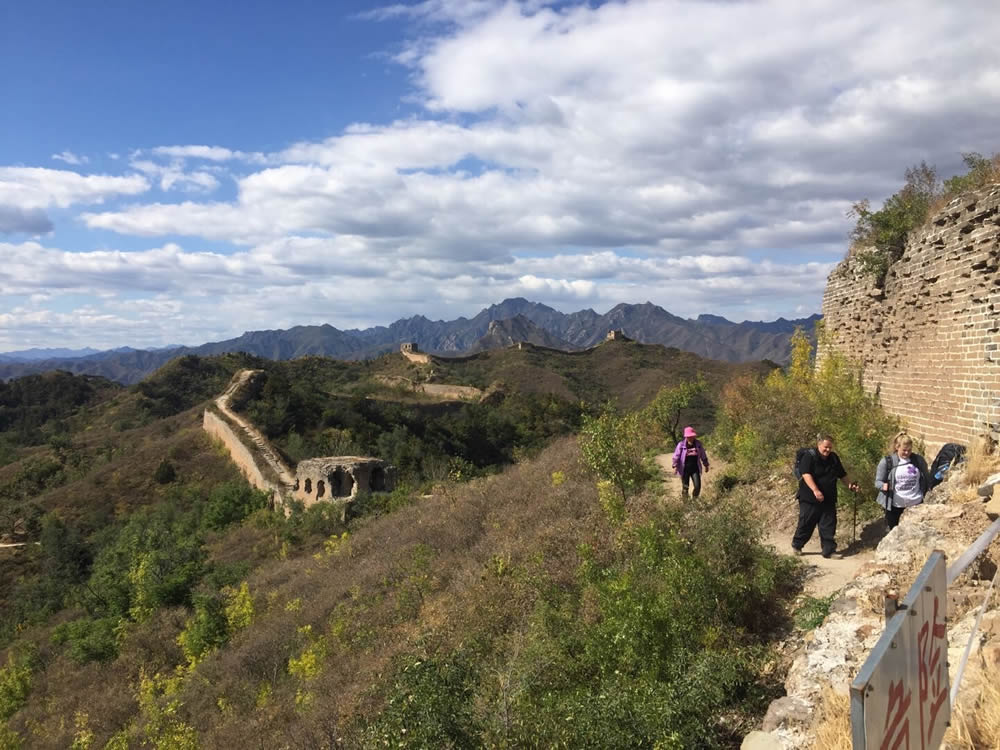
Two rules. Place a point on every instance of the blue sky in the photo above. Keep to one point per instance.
(182, 172)
(108, 77)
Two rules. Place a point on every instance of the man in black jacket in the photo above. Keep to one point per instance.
(820, 469)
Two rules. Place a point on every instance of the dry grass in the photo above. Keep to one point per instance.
(833, 730)
(980, 729)
(981, 460)
(418, 580)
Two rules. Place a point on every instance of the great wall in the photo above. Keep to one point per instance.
(928, 338)
(338, 479)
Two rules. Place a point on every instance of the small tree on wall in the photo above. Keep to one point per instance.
(879, 236)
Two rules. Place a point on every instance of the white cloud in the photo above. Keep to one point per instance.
(191, 297)
(14, 219)
(711, 134)
(172, 176)
(598, 153)
(208, 153)
(70, 158)
(38, 188)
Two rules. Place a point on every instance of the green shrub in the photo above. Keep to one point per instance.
(88, 640)
(812, 611)
(153, 560)
(15, 683)
(670, 404)
(230, 502)
(982, 171)
(430, 705)
(658, 637)
(764, 421)
(879, 236)
(9, 739)
(886, 229)
(165, 472)
(206, 630)
(612, 449)
(379, 503)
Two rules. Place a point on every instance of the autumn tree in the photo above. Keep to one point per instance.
(668, 406)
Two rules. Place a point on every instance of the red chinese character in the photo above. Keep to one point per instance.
(898, 732)
(933, 677)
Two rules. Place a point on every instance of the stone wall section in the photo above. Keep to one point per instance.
(929, 339)
(410, 351)
(219, 429)
(338, 478)
(251, 452)
(441, 391)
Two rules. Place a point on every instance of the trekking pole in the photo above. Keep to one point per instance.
(854, 518)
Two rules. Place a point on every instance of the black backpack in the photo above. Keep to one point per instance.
(949, 455)
(798, 460)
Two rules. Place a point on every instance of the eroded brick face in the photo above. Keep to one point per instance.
(928, 340)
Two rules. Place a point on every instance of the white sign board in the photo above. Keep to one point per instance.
(899, 700)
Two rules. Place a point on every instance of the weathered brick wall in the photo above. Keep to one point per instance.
(928, 340)
(218, 428)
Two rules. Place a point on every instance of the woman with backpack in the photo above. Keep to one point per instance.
(902, 479)
(689, 456)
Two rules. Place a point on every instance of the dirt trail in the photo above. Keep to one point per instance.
(824, 575)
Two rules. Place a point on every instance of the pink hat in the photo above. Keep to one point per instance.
(689, 432)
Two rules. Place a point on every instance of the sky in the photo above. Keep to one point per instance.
(176, 172)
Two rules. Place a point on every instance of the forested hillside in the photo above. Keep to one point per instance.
(494, 599)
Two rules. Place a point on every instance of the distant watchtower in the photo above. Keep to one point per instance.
(410, 350)
(617, 335)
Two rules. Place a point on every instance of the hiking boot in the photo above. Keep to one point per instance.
(797, 551)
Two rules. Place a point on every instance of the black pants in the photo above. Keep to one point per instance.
(812, 515)
(695, 478)
(892, 516)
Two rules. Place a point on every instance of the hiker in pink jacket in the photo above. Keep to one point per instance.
(689, 456)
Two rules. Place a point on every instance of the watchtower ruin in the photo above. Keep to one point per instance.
(340, 478)
(410, 350)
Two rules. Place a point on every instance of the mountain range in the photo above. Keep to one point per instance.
(499, 325)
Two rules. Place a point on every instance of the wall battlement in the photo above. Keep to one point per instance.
(929, 339)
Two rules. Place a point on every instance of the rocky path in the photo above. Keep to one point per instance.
(824, 575)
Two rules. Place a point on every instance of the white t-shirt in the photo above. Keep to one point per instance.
(907, 488)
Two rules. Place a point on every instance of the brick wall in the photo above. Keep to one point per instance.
(928, 340)
(218, 428)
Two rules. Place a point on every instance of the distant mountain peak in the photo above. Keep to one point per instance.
(510, 331)
(713, 319)
(512, 320)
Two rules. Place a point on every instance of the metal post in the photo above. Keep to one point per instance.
(891, 603)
